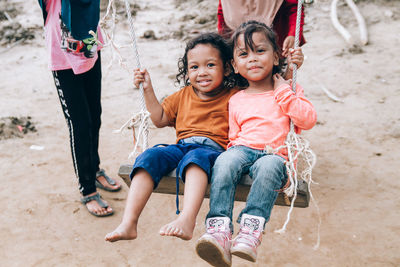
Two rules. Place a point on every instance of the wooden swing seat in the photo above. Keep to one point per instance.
(167, 185)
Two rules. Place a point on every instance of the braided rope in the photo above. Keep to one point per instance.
(297, 146)
(144, 114)
(139, 119)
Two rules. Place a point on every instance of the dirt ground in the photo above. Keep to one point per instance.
(356, 141)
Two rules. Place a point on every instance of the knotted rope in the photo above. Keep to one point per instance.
(115, 51)
(143, 114)
(297, 146)
(139, 119)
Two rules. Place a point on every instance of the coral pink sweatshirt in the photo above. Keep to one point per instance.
(263, 119)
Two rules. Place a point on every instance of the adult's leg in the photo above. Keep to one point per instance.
(269, 176)
(92, 91)
(70, 89)
(92, 85)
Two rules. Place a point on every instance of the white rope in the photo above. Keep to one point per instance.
(109, 36)
(140, 119)
(291, 139)
(297, 146)
(143, 130)
(136, 122)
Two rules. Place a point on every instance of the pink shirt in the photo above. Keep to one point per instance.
(58, 58)
(263, 119)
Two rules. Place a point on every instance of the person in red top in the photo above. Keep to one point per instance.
(282, 13)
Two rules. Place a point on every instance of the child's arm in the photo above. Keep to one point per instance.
(295, 105)
(295, 56)
(157, 114)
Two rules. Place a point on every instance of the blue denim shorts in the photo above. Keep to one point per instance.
(161, 159)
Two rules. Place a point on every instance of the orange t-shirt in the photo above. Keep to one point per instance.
(193, 116)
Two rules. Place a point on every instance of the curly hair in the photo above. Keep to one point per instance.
(216, 41)
(247, 29)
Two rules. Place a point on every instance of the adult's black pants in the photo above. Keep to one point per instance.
(80, 98)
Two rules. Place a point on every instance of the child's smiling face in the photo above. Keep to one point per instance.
(256, 64)
(205, 70)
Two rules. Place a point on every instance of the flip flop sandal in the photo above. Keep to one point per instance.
(99, 201)
(109, 180)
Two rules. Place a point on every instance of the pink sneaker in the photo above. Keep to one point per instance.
(214, 246)
(249, 237)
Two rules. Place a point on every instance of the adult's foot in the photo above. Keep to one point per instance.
(107, 183)
(122, 232)
(94, 207)
(181, 228)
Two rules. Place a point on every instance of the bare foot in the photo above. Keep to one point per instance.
(122, 232)
(181, 228)
(94, 207)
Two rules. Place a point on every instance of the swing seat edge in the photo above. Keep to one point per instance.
(168, 186)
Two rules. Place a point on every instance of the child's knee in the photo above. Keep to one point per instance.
(225, 173)
(269, 163)
(227, 162)
(270, 167)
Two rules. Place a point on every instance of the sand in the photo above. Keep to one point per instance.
(357, 141)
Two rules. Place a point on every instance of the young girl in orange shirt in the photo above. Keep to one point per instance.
(199, 113)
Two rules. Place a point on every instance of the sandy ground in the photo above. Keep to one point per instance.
(42, 222)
